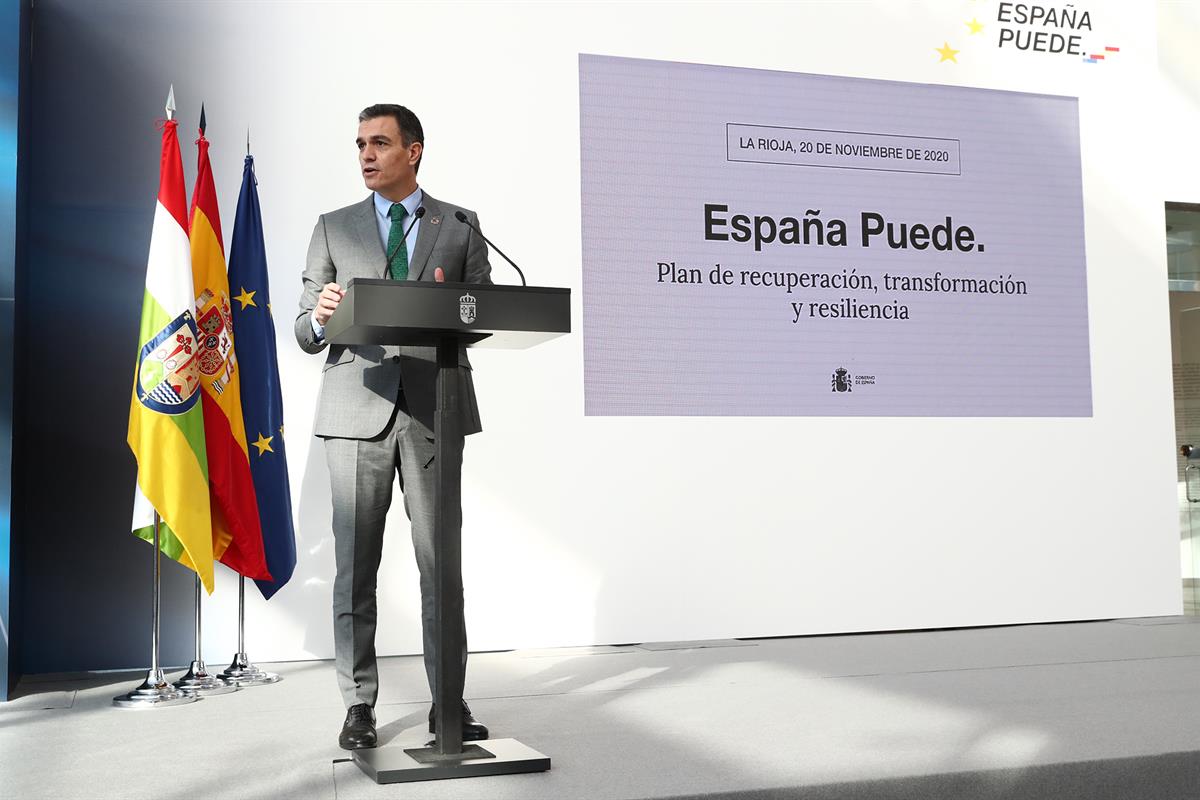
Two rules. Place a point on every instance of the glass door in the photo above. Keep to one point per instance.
(1183, 273)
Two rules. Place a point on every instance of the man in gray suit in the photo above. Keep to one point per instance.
(376, 407)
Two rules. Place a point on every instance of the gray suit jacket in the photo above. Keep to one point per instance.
(361, 383)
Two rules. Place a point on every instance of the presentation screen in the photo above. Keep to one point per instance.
(761, 243)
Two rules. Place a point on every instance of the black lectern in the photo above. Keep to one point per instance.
(449, 316)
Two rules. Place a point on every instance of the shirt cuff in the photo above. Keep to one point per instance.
(317, 328)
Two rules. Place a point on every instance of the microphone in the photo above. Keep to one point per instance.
(461, 217)
(420, 212)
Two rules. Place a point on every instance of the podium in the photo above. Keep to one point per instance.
(448, 316)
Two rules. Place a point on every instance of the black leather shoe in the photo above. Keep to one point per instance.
(358, 731)
(472, 730)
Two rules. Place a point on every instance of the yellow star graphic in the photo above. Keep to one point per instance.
(246, 298)
(975, 25)
(263, 444)
(948, 52)
(280, 431)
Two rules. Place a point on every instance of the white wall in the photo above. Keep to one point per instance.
(592, 530)
(1179, 110)
(1178, 126)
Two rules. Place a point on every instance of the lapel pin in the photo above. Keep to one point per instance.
(435, 220)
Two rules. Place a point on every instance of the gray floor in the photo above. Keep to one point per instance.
(1095, 710)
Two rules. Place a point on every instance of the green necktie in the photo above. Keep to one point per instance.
(398, 266)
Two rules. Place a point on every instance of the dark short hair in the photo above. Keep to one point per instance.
(406, 121)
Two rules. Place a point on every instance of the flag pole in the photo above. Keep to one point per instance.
(154, 692)
(242, 671)
(247, 261)
(198, 679)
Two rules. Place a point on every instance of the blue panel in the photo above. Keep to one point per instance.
(6, 397)
(83, 275)
(11, 52)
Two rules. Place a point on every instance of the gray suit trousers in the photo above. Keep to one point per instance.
(360, 473)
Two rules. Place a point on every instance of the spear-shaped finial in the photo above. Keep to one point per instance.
(247, 141)
(171, 102)
(203, 125)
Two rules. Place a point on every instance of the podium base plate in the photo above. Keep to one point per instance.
(490, 757)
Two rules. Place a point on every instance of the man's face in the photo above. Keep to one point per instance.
(388, 167)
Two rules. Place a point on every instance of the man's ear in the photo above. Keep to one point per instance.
(414, 152)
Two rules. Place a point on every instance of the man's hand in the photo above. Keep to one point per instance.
(327, 303)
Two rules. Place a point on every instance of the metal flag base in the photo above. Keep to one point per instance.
(491, 757)
(154, 692)
(200, 682)
(242, 673)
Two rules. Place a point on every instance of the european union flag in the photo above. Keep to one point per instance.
(262, 400)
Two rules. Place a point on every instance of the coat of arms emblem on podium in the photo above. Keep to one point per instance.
(466, 308)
